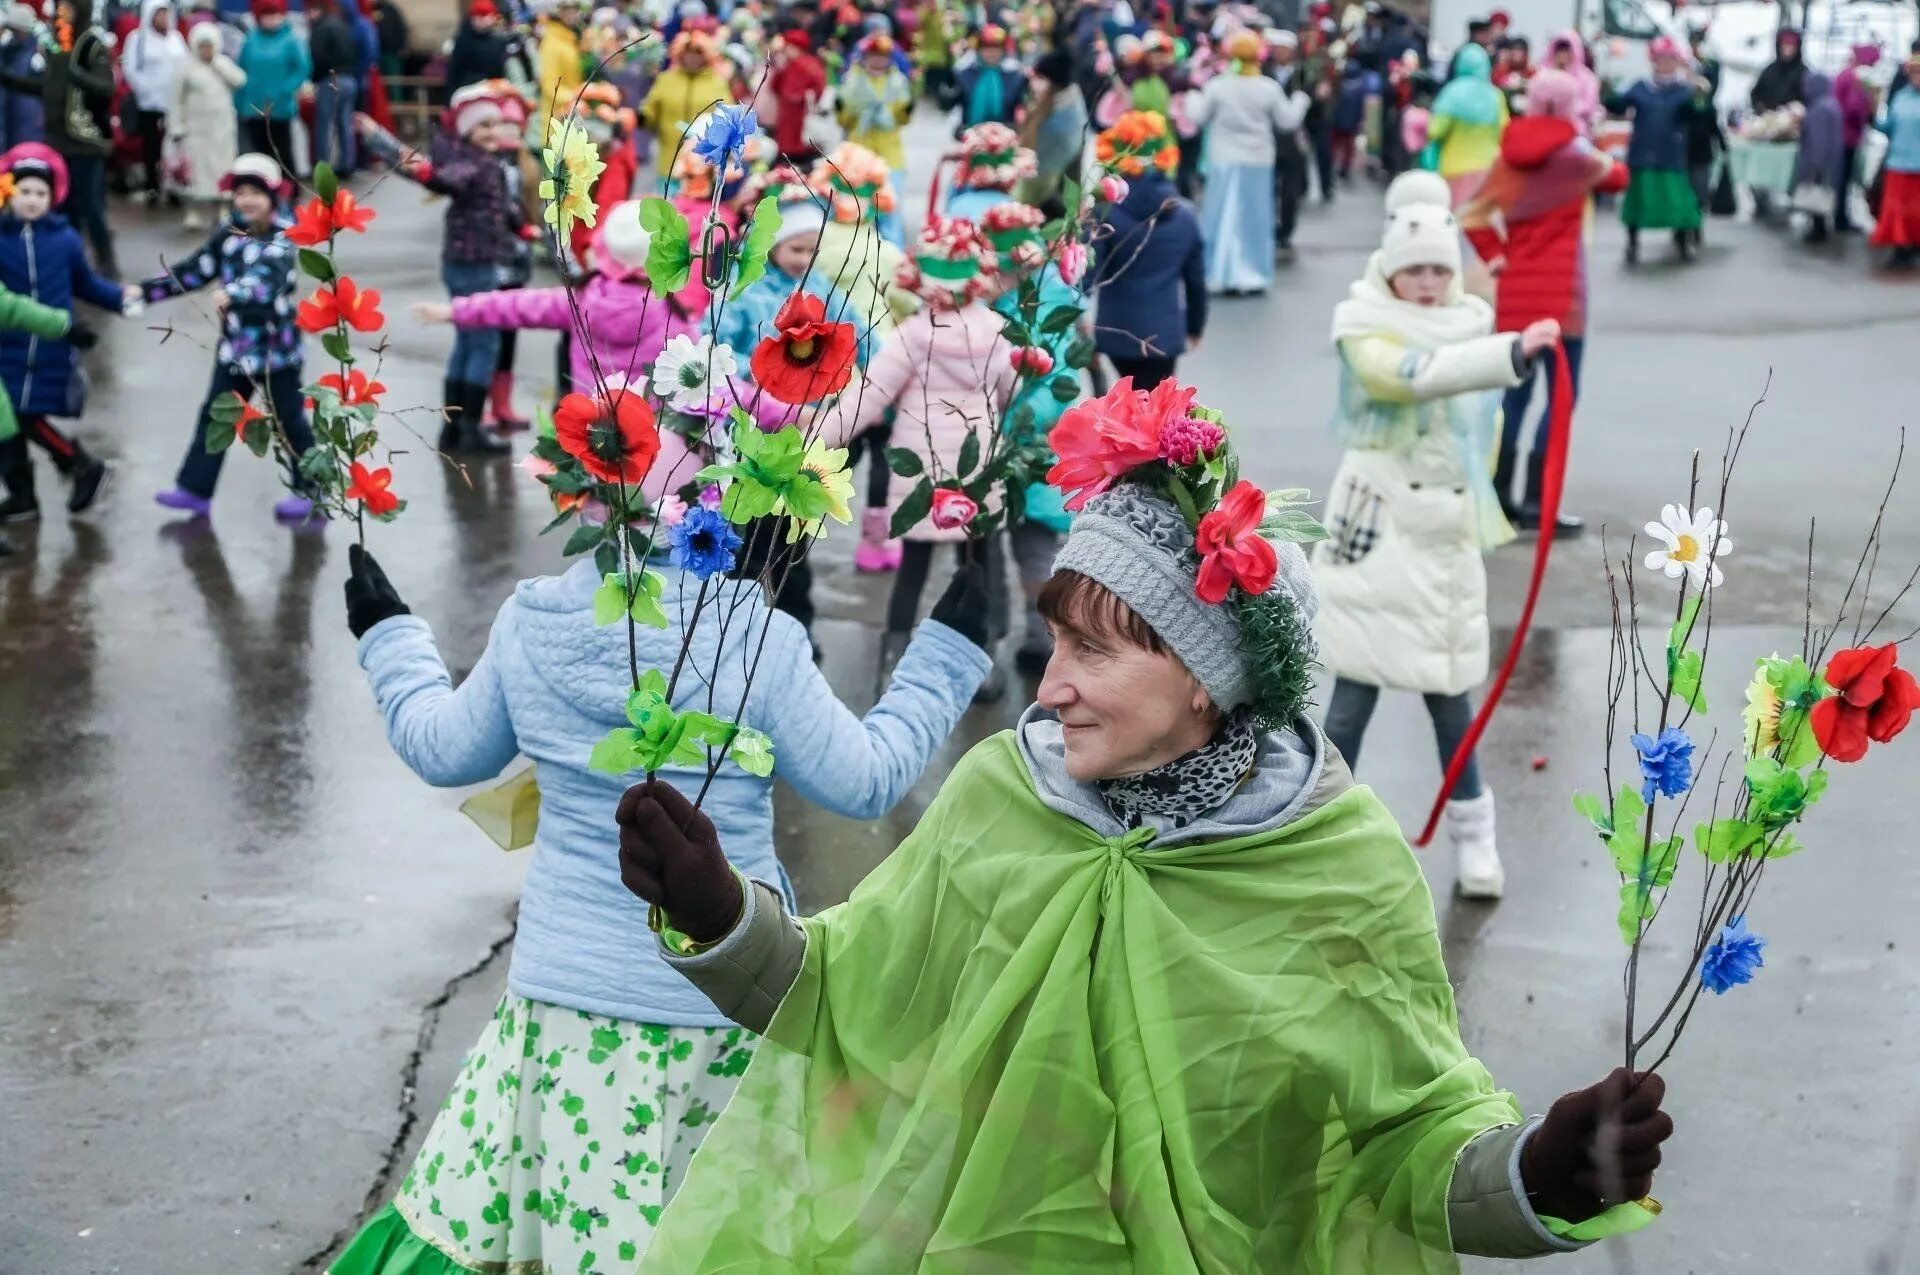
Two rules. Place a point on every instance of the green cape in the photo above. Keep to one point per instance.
(1022, 1046)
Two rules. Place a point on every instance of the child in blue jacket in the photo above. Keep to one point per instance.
(42, 258)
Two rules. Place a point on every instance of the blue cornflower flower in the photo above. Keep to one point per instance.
(725, 140)
(703, 543)
(1666, 763)
(1733, 958)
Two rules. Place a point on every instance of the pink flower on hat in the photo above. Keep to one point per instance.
(1188, 440)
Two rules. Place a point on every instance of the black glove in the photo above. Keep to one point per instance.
(1598, 1147)
(370, 596)
(670, 856)
(963, 607)
(82, 337)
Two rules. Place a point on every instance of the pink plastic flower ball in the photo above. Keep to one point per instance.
(1072, 260)
(1187, 440)
(1113, 188)
(1032, 360)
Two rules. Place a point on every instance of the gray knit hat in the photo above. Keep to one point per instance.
(1138, 546)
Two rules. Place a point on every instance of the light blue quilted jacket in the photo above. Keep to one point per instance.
(550, 685)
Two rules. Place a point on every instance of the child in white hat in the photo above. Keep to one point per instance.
(1403, 593)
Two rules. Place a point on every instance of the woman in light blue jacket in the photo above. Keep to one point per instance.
(578, 1109)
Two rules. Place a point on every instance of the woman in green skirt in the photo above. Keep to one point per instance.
(1660, 197)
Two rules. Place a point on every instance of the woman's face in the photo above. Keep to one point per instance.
(1123, 709)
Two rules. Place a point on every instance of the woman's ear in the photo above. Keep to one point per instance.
(1203, 702)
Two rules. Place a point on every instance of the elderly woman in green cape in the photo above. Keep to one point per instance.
(1153, 985)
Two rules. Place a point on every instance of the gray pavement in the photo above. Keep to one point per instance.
(231, 922)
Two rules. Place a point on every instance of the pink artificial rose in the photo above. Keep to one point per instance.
(1113, 188)
(952, 509)
(535, 466)
(1072, 260)
(1032, 360)
(672, 510)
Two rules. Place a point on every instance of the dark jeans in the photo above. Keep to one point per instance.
(916, 558)
(1841, 189)
(200, 471)
(1290, 186)
(153, 136)
(476, 351)
(1146, 373)
(333, 140)
(1513, 414)
(269, 137)
(1352, 707)
(87, 206)
(1321, 134)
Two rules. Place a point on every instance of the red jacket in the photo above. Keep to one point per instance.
(796, 86)
(1531, 210)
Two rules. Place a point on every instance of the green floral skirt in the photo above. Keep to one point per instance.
(562, 1141)
(1660, 199)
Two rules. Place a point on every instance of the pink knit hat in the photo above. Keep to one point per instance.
(1553, 93)
(32, 159)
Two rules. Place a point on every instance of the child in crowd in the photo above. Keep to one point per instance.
(42, 258)
(690, 86)
(946, 372)
(470, 162)
(249, 263)
(876, 101)
(1403, 593)
(23, 314)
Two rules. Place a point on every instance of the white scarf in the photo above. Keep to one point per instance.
(1371, 308)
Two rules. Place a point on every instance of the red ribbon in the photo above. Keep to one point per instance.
(1553, 480)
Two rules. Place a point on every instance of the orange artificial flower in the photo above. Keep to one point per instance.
(369, 487)
(346, 303)
(616, 441)
(806, 358)
(355, 389)
(318, 221)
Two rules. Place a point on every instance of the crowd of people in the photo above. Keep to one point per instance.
(1025, 1041)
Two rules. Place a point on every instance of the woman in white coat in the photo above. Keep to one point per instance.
(1403, 592)
(151, 62)
(200, 120)
(1243, 112)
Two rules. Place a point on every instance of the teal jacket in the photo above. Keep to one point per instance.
(277, 65)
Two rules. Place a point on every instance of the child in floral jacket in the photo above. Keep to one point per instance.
(249, 265)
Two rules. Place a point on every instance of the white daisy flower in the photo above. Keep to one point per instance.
(688, 371)
(1694, 542)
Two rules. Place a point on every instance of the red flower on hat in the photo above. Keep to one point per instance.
(345, 302)
(318, 221)
(1231, 549)
(616, 440)
(807, 357)
(1101, 439)
(1874, 701)
(369, 487)
(355, 389)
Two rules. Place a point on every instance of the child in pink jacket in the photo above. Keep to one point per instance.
(947, 373)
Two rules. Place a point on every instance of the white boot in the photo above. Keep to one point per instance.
(1476, 859)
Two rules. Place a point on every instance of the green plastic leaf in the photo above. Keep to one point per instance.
(1595, 811)
(670, 250)
(1683, 671)
(1647, 869)
(1683, 627)
(1079, 353)
(1070, 197)
(1777, 795)
(338, 348)
(759, 242)
(806, 497)
(543, 424)
(1726, 839)
(969, 455)
(1066, 388)
(904, 461)
(606, 560)
(325, 183)
(259, 440)
(609, 600)
(646, 609)
(617, 754)
(746, 500)
(1296, 525)
(1183, 499)
(1017, 334)
(917, 505)
(317, 264)
(752, 751)
(584, 537)
(1059, 319)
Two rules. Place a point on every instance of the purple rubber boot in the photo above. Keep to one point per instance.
(294, 509)
(185, 501)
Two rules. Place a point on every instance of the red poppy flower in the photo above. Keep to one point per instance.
(617, 441)
(369, 487)
(1231, 549)
(317, 221)
(807, 358)
(1873, 700)
(355, 390)
(345, 302)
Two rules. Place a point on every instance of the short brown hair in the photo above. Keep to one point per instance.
(1072, 600)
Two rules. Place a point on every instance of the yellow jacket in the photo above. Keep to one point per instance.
(677, 99)
(560, 73)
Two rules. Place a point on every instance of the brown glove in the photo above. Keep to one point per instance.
(670, 856)
(1598, 1147)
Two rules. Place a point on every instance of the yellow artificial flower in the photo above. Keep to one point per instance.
(1762, 713)
(573, 166)
(829, 465)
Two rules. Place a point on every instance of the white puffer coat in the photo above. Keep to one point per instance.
(1403, 592)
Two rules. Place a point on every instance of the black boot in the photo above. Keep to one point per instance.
(1566, 526)
(1633, 246)
(89, 479)
(452, 399)
(474, 438)
(16, 471)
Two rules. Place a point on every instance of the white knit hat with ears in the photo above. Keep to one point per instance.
(621, 242)
(1418, 186)
(802, 217)
(1420, 235)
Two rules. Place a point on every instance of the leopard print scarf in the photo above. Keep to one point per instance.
(1187, 787)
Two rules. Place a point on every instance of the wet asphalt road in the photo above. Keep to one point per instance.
(228, 914)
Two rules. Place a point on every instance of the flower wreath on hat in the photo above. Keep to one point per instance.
(1178, 451)
(1014, 230)
(855, 181)
(951, 265)
(992, 35)
(992, 158)
(1137, 140)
